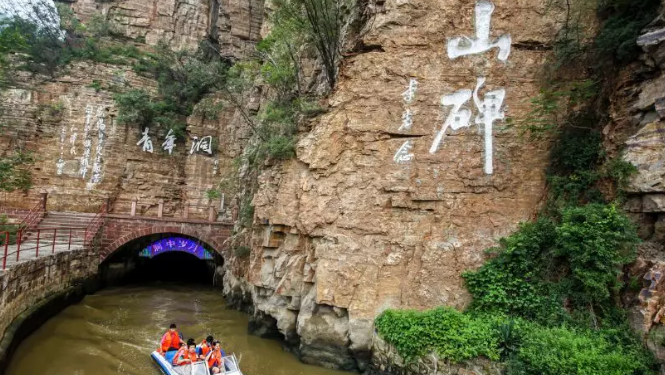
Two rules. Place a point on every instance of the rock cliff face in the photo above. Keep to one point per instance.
(395, 192)
(84, 155)
(637, 124)
(380, 209)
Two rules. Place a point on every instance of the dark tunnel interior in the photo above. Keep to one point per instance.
(127, 266)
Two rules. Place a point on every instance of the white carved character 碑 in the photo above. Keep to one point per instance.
(481, 42)
(457, 118)
(489, 110)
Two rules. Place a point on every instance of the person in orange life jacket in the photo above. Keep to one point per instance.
(205, 347)
(186, 354)
(171, 339)
(215, 359)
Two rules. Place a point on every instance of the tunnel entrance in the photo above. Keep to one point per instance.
(163, 257)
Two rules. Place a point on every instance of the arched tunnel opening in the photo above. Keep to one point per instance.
(163, 257)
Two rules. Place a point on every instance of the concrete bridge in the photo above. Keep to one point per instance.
(45, 232)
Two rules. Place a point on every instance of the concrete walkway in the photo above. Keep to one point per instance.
(28, 250)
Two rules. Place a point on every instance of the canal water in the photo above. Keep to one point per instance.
(115, 330)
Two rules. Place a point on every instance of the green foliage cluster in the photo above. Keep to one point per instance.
(184, 80)
(446, 331)
(564, 350)
(621, 22)
(528, 348)
(246, 214)
(45, 50)
(577, 259)
(10, 230)
(15, 173)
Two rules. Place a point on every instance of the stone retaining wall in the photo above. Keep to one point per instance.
(27, 284)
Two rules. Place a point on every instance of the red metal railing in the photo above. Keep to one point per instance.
(95, 224)
(33, 217)
(30, 243)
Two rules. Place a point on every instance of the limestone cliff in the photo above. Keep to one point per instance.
(84, 155)
(381, 209)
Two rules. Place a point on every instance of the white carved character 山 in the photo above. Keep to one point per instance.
(457, 118)
(463, 45)
(147, 142)
(489, 110)
(169, 142)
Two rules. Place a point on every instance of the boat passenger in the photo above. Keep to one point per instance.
(215, 359)
(171, 339)
(205, 347)
(186, 355)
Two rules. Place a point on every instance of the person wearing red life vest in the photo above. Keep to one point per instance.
(205, 347)
(171, 339)
(215, 359)
(186, 355)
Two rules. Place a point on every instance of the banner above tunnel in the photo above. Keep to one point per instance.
(171, 244)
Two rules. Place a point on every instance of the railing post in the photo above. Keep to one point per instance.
(39, 232)
(133, 210)
(55, 234)
(18, 241)
(4, 260)
(69, 247)
(160, 208)
(185, 211)
(211, 213)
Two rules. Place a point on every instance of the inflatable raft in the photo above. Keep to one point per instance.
(198, 368)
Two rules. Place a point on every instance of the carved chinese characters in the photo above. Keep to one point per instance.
(488, 107)
(481, 42)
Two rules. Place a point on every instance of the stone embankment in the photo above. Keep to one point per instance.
(33, 291)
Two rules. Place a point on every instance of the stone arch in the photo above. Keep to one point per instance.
(126, 238)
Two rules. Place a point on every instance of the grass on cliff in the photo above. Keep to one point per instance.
(544, 304)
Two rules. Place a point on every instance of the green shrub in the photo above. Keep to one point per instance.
(596, 241)
(557, 351)
(624, 21)
(15, 171)
(451, 334)
(515, 282)
(9, 230)
(578, 258)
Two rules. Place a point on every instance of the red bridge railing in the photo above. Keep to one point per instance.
(30, 244)
(35, 214)
(95, 224)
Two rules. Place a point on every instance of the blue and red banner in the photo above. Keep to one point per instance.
(171, 244)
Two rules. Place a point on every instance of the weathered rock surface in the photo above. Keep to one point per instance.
(48, 117)
(232, 25)
(349, 229)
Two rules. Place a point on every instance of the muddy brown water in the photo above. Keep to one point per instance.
(115, 330)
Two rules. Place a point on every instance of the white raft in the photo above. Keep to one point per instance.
(198, 368)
